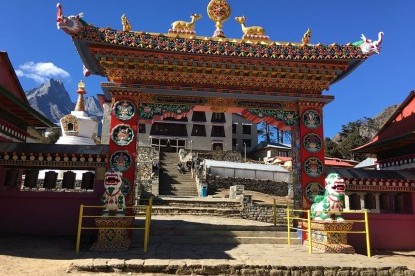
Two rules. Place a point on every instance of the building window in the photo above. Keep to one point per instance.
(218, 131)
(370, 201)
(234, 128)
(247, 142)
(167, 129)
(199, 130)
(217, 146)
(218, 118)
(386, 203)
(246, 129)
(233, 142)
(141, 128)
(199, 116)
(354, 202)
(183, 119)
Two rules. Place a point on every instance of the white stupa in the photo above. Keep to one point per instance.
(78, 128)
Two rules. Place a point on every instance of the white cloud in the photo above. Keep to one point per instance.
(41, 71)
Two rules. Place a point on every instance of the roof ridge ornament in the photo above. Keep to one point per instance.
(126, 26)
(72, 24)
(368, 46)
(184, 28)
(306, 37)
(219, 11)
(253, 33)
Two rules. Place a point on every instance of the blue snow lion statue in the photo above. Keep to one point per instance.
(328, 206)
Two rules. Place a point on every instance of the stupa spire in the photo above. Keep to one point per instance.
(80, 103)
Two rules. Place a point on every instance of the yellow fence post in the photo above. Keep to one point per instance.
(78, 234)
(288, 223)
(147, 228)
(310, 248)
(367, 235)
(274, 210)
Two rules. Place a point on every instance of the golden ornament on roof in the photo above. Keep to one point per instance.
(126, 26)
(218, 11)
(306, 37)
(188, 26)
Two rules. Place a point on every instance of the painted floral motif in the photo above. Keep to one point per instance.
(312, 142)
(313, 167)
(124, 110)
(313, 189)
(121, 160)
(122, 135)
(290, 118)
(125, 187)
(148, 111)
(311, 119)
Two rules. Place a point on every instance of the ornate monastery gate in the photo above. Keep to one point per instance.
(156, 75)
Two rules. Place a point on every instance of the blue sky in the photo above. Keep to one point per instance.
(39, 51)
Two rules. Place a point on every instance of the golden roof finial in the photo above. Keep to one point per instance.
(126, 26)
(80, 104)
(306, 37)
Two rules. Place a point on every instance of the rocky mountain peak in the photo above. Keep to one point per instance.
(53, 101)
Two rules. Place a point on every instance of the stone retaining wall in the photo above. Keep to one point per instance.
(205, 268)
(264, 186)
(264, 212)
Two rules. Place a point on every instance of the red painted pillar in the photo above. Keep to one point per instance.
(311, 151)
(122, 145)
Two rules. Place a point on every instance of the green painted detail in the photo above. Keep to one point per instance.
(290, 118)
(148, 111)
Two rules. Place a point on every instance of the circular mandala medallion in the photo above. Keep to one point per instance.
(121, 160)
(124, 110)
(122, 135)
(218, 10)
(311, 119)
(125, 187)
(313, 167)
(312, 190)
(312, 142)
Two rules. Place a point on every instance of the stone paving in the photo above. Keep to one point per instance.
(242, 259)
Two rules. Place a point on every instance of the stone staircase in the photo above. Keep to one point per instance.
(208, 230)
(173, 183)
(208, 206)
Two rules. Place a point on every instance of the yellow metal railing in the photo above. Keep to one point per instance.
(146, 227)
(308, 220)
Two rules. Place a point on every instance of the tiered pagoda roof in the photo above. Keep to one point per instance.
(142, 60)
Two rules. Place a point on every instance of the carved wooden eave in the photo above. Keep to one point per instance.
(156, 59)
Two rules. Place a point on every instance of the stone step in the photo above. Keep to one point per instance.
(177, 210)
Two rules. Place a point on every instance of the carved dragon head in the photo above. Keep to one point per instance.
(71, 24)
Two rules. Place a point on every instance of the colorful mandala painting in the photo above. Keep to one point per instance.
(312, 142)
(124, 110)
(122, 135)
(312, 190)
(311, 119)
(121, 160)
(313, 167)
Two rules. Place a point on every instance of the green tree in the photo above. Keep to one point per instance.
(331, 148)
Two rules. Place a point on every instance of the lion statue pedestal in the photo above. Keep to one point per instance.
(330, 242)
(326, 216)
(113, 216)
